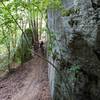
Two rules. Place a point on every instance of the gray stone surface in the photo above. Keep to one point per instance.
(78, 44)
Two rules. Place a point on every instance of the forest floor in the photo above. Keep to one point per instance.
(29, 82)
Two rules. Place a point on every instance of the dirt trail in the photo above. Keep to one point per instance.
(27, 83)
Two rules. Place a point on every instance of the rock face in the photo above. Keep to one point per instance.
(75, 50)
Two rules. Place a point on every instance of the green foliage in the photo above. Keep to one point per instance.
(55, 55)
(55, 4)
(74, 69)
(64, 87)
(29, 34)
(65, 12)
(71, 72)
(68, 12)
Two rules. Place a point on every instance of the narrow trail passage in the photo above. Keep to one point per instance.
(28, 83)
